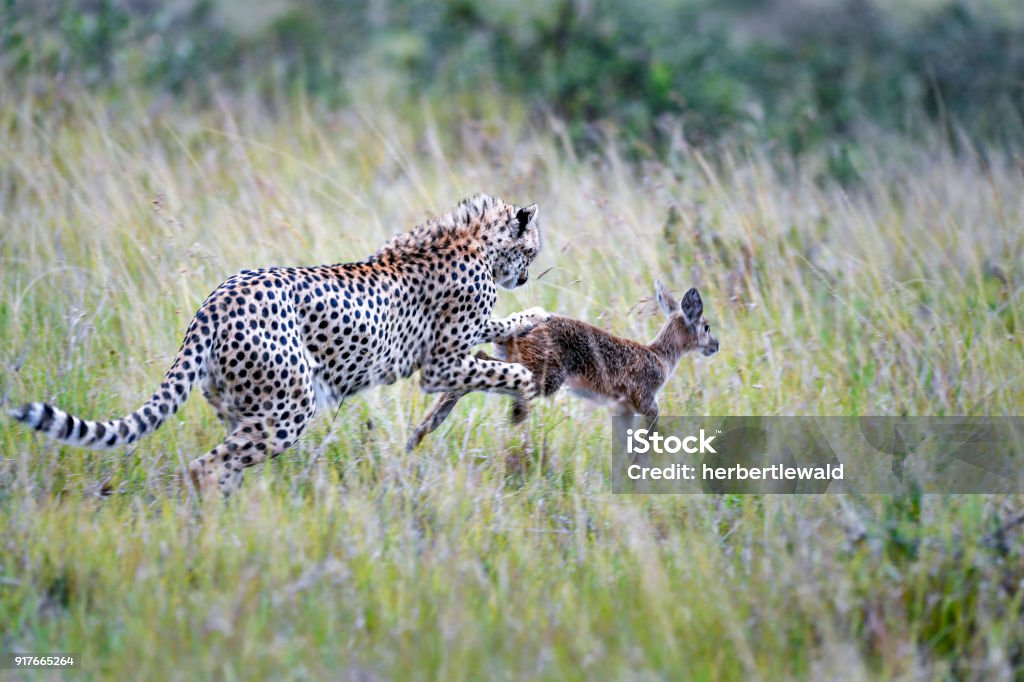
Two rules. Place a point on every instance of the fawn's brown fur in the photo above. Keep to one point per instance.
(595, 364)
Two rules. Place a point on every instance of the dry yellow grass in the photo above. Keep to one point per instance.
(468, 559)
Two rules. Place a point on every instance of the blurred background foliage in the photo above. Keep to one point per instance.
(799, 74)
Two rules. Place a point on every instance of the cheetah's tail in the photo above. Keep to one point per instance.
(188, 367)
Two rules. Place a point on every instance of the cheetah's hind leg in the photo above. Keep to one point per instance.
(251, 443)
(215, 398)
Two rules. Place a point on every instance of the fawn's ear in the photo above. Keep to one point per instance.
(525, 216)
(692, 306)
(665, 300)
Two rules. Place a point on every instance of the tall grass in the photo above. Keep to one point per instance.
(477, 556)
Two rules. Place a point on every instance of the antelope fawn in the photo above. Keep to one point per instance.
(596, 365)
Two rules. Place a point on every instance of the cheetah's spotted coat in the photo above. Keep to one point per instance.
(269, 346)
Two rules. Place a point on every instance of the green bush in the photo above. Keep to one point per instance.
(647, 68)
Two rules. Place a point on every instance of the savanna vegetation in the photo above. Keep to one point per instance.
(842, 181)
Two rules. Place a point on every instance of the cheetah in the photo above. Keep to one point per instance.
(269, 347)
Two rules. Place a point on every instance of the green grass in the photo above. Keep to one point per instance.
(473, 558)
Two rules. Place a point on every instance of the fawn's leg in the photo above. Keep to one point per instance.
(637, 405)
(549, 378)
(520, 411)
(648, 408)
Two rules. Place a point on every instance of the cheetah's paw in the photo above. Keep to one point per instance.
(535, 316)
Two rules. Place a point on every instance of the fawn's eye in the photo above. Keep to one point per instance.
(707, 328)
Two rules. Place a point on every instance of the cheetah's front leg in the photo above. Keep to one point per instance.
(516, 324)
(455, 374)
(433, 419)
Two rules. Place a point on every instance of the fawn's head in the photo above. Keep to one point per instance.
(686, 329)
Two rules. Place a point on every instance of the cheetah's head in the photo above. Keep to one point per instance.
(516, 244)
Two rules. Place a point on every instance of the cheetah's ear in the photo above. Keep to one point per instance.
(525, 216)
